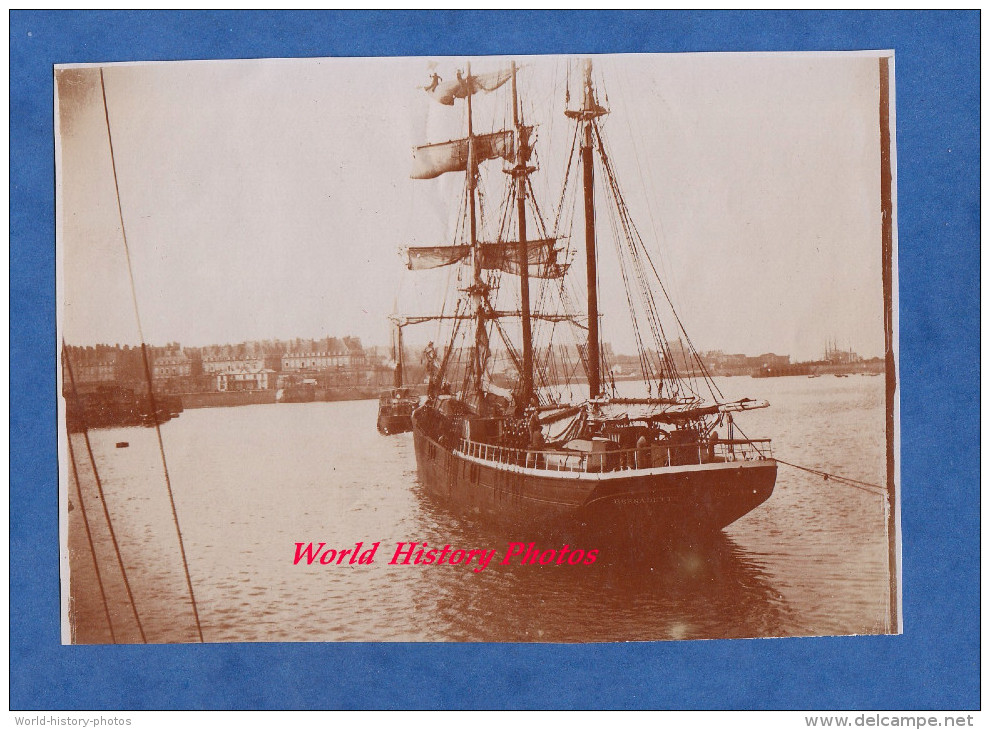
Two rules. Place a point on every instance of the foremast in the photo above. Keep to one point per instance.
(515, 257)
(478, 288)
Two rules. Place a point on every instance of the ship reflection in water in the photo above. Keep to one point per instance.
(685, 589)
(251, 482)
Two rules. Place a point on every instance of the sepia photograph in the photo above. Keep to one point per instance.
(555, 349)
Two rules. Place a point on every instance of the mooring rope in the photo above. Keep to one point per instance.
(876, 489)
(147, 367)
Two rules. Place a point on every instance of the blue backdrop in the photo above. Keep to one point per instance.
(933, 665)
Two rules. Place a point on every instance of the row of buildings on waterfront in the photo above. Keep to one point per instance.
(249, 366)
(834, 361)
(717, 362)
(333, 362)
(769, 364)
(713, 362)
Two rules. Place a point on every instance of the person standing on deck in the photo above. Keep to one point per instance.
(643, 452)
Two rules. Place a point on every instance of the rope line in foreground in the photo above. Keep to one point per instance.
(147, 368)
(865, 486)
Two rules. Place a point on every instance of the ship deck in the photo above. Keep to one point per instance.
(651, 492)
(715, 454)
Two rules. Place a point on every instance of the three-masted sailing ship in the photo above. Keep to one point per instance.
(530, 451)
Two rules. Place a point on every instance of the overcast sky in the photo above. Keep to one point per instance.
(270, 199)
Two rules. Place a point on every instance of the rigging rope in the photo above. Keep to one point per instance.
(668, 375)
(103, 503)
(89, 539)
(82, 509)
(147, 367)
(634, 238)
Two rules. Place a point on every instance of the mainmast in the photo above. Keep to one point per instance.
(521, 173)
(477, 283)
(588, 113)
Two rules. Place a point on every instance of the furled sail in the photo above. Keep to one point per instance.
(433, 160)
(446, 91)
(542, 256)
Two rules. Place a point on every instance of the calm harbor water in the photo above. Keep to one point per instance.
(251, 482)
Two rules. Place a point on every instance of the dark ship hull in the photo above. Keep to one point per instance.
(298, 394)
(115, 407)
(524, 490)
(526, 456)
(393, 423)
(395, 410)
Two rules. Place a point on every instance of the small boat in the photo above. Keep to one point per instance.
(395, 409)
(301, 392)
(396, 405)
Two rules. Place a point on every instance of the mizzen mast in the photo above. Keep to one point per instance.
(586, 115)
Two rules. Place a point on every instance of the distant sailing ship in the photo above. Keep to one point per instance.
(527, 456)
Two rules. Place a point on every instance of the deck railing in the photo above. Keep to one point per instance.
(651, 456)
(743, 449)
